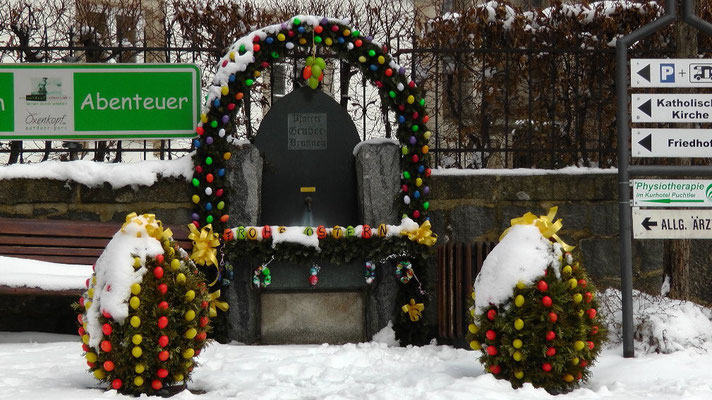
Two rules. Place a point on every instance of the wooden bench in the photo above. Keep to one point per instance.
(66, 242)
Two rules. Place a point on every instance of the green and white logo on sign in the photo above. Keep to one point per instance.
(98, 101)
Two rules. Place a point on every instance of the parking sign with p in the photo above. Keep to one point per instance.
(667, 73)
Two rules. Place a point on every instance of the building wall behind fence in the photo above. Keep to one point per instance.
(464, 208)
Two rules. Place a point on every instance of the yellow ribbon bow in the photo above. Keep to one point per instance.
(204, 245)
(215, 304)
(545, 223)
(413, 310)
(154, 227)
(422, 235)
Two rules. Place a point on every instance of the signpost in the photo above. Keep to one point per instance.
(672, 107)
(656, 142)
(672, 193)
(669, 73)
(672, 224)
(98, 101)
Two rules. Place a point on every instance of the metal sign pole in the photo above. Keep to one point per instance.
(624, 208)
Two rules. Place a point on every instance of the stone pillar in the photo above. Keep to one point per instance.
(378, 179)
(244, 181)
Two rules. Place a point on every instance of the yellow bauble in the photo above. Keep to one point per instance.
(136, 352)
(90, 293)
(180, 278)
(135, 288)
(134, 302)
(85, 338)
(568, 378)
(188, 353)
(519, 374)
(136, 339)
(189, 295)
(472, 312)
(575, 361)
(99, 374)
(188, 364)
(91, 357)
(517, 343)
(572, 283)
(518, 324)
(189, 315)
(178, 377)
(190, 333)
(138, 381)
(135, 321)
(139, 368)
(475, 345)
(137, 262)
(566, 270)
(521, 285)
(175, 264)
(517, 356)
(519, 300)
(580, 313)
(473, 328)
(578, 298)
(87, 305)
(579, 345)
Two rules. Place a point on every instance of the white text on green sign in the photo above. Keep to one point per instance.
(98, 101)
(672, 193)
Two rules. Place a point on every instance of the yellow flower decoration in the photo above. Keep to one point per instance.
(414, 310)
(215, 304)
(545, 223)
(204, 245)
(422, 235)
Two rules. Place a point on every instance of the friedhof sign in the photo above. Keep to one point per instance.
(659, 142)
(98, 101)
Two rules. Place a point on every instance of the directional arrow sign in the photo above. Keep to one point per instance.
(679, 72)
(672, 193)
(672, 107)
(672, 224)
(672, 143)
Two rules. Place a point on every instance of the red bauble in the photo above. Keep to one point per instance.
(590, 344)
(198, 169)
(582, 283)
(163, 305)
(162, 322)
(491, 314)
(495, 369)
(81, 301)
(588, 296)
(81, 331)
(553, 317)
(163, 341)
(583, 363)
(594, 330)
(85, 348)
(160, 259)
(591, 313)
(388, 72)
(91, 364)
(490, 334)
(546, 367)
(542, 286)
(219, 192)
(416, 214)
(411, 84)
(256, 47)
(428, 171)
(203, 321)
(162, 373)
(209, 178)
(105, 346)
(318, 29)
(551, 335)
(201, 336)
(158, 272)
(108, 365)
(163, 355)
(80, 318)
(313, 279)
(162, 288)
(106, 329)
(492, 350)
(266, 232)
(156, 384)
(204, 304)
(197, 353)
(546, 301)
(116, 384)
(551, 352)
(106, 314)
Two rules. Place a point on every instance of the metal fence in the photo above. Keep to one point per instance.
(489, 108)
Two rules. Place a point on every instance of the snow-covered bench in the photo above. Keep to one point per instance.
(61, 254)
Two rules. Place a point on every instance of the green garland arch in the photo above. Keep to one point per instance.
(244, 62)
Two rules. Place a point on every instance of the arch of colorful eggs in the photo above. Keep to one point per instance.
(145, 314)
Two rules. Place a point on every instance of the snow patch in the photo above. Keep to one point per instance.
(20, 272)
(525, 171)
(386, 336)
(522, 255)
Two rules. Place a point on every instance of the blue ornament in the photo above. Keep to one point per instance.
(401, 119)
(416, 194)
(421, 169)
(373, 67)
(340, 40)
(196, 143)
(216, 103)
(221, 172)
(269, 40)
(301, 29)
(232, 78)
(208, 206)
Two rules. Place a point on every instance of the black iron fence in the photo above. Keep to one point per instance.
(489, 108)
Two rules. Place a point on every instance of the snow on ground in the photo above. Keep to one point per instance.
(19, 272)
(48, 366)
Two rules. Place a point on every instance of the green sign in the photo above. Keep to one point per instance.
(672, 193)
(91, 101)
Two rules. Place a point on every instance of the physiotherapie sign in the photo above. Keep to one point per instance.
(98, 101)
